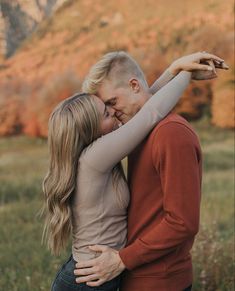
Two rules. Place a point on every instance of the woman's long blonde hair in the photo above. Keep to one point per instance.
(73, 125)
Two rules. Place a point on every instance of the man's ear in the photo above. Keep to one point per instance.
(135, 85)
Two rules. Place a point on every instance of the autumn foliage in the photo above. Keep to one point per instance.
(42, 101)
(51, 64)
(26, 108)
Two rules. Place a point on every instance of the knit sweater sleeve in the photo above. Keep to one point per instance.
(108, 150)
(165, 77)
(176, 157)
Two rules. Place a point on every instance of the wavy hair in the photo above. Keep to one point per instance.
(73, 125)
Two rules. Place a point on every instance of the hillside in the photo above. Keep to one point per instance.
(52, 63)
(19, 18)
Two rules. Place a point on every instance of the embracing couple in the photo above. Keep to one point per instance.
(131, 234)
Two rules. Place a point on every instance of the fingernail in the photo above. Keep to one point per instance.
(210, 69)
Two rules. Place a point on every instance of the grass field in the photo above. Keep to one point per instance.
(26, 265)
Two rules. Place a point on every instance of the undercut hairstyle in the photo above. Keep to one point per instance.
(117, 67)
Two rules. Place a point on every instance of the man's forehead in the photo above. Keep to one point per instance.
(104, 97)
(106, 85)
(105, 92)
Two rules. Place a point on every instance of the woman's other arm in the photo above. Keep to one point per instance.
(197, 63)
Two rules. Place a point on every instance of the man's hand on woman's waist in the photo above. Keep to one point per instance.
(102, 269)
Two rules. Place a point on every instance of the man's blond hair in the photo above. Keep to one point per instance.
(117, 67)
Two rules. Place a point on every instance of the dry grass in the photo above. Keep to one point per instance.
(26, 265)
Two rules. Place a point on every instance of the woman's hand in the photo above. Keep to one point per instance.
(208, 75)
(198, 61)
(205, 75)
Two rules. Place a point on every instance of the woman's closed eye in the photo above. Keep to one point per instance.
(106, 112)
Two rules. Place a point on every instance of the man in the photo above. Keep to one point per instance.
(164, 175)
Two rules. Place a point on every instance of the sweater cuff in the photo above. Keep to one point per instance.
(131, 255)
(165, 78)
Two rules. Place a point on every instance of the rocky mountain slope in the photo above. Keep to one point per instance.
(19, 18)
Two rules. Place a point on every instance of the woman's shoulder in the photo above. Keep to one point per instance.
(90, 149)
(90, 156)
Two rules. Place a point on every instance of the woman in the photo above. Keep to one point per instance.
(85, 190)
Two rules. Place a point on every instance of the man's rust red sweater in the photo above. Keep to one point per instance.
(163, 217)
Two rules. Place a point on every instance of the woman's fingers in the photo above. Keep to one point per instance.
(216, 63)
(207, 56)
(198, 61)
(211, 63)
(204, 71)
(202, 67)
(220, 65)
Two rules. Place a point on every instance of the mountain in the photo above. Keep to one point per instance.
(51, 64)
(19, 18)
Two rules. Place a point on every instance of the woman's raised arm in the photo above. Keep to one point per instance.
(104, 153)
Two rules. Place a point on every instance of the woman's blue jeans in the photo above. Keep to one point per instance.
(65, 280)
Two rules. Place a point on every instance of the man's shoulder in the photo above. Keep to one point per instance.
(172, 121)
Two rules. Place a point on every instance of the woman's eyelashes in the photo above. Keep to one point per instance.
(106, 112)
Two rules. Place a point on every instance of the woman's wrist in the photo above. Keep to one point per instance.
(174, 69)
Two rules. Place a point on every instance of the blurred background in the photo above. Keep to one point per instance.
(46, 49)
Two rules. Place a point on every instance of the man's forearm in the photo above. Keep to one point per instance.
(159, 242)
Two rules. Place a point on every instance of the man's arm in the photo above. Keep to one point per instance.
(177, 158)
